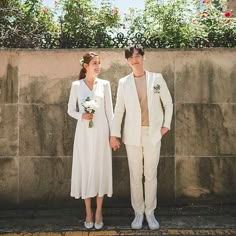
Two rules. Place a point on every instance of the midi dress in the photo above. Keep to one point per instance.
(92, 158)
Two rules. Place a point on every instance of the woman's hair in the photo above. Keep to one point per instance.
(87, 57)
(130, 50)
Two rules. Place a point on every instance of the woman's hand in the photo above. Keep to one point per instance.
(164, 130)
(87, 116)
(115, 143)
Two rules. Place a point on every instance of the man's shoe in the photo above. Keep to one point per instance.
(137, 222)
(152, 222)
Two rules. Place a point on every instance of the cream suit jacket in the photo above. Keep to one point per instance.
(160, 109)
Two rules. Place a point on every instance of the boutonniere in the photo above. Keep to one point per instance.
(156, 88)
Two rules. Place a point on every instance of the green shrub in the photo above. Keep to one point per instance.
(87, 24)
(165, 24)
(24, 24)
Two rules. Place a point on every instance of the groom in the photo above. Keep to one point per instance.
(145, 99)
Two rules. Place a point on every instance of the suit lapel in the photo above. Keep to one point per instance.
(149, 90)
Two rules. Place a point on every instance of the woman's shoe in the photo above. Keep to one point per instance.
(88, 225)
(98, 225)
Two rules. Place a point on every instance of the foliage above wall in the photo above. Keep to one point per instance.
(80, 24)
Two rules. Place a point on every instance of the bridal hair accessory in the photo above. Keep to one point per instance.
(81, 61)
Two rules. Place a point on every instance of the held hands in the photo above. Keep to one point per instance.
(87, 116)
(115, 143)
(164, 130)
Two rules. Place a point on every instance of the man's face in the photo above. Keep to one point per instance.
(136, 60)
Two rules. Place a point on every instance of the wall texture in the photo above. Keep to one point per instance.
(198, 156)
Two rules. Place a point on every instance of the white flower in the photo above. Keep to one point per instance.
(81, 61)
(90, 106)
(156, 88)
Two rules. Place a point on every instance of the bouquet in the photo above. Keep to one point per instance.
(89, 106)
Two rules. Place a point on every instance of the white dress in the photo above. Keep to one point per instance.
(92, 158)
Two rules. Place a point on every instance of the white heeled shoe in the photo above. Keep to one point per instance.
(88, 225)
(98, 225)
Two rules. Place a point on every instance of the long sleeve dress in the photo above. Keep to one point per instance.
(92, 158)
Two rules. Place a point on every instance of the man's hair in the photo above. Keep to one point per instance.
(130, 50)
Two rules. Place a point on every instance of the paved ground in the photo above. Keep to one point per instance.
(186, 220)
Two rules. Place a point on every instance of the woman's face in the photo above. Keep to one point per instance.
(94, 66)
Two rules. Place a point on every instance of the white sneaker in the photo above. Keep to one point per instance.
(152, 222)
(137, 222)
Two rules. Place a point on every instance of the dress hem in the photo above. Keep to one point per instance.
(99, 195)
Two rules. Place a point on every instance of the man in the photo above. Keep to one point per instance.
(146, 101)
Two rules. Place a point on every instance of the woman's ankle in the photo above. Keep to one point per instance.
(89, 217)
(98, 216)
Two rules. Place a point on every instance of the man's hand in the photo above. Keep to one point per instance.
(164, 130)
(114, 142)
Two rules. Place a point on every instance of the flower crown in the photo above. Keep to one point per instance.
(81, 61)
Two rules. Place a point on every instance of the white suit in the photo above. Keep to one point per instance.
(142, 141)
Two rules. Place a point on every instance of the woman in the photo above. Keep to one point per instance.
(90, 103)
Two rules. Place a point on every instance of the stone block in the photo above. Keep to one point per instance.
(162, 62)
(9, 85)
(205, 177)
(9, 77)
(121, 183)
(8, 182)
(205, 129)
(168, 140)
(8, 130)
(52, 64)
(114, 73)
(44, 90)
(166, 180)
(205, 77)
(44, 181)
(45, 130)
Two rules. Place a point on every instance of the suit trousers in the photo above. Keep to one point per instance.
(143, 161)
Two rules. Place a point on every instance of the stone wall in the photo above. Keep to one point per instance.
(231, 5)
(198, 156)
